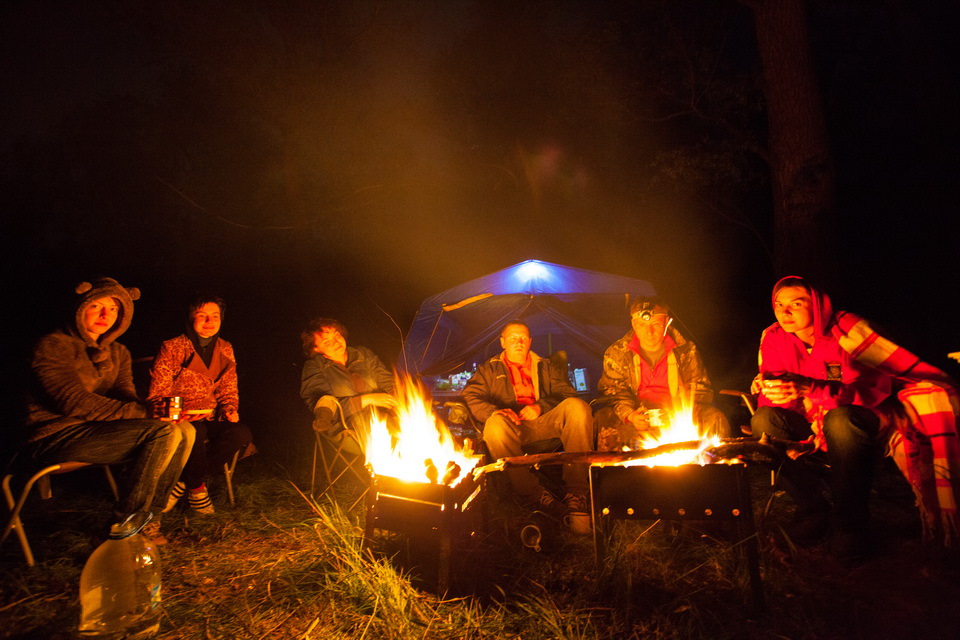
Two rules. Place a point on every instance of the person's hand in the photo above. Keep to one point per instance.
(379, 400)
(231, 415)
(530, 412)
(510, 415)
(787, 390)
(757, 385)
(640, 420)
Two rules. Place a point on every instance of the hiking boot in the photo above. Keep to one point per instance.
(151, 531)
(578, 519)
(546, 503)
(175, 494)
(199, 501)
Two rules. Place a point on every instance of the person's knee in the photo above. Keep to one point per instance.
(497, 428)
(161, 429)
(846, 427)
(765, 420)
(187, 434)
(577, 412)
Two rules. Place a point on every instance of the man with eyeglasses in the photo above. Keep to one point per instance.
(649, 374)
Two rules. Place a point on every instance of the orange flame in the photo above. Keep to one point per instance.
(423, 450)
(681, 428)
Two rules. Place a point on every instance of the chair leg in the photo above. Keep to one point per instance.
(111, 482)
(228, 469)
(328, 463)
(43, 486)
(15, 524)
(313, 467)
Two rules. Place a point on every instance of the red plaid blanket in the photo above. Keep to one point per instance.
(923, 440)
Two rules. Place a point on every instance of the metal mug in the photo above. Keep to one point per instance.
(171, 407)
(530, 536)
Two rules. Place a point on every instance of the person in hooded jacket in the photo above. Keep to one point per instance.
(83, 406)
(826, 376)
(201, 368)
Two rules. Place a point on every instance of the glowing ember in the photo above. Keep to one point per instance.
(681, 428)
(423, 450)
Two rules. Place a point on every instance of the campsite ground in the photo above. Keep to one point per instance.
(276, 566)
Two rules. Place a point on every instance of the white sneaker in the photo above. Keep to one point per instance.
(175, 494)
(200, 501)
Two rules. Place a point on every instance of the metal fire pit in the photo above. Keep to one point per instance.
(712, 492)
(429, 514)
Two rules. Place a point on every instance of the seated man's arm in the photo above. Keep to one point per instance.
(556, 390)
(615, 384)
(477, 394)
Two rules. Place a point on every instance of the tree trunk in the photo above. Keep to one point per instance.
(801, 166)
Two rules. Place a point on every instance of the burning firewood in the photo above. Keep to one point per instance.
(763, 450)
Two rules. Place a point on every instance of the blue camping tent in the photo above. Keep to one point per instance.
(581, 312)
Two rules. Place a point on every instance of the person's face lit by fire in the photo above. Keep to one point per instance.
(331, 344)
(515, 341)
(206, 320)
(99, 316)
(794, 310)
(651, 331)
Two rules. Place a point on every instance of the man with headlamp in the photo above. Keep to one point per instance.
(649, 374)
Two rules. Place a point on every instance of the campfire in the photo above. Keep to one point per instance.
(681, 431)
(422, 449)
(423, 481)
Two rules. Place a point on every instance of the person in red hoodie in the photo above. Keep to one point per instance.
(826, 376)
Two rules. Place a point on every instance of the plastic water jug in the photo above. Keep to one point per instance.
(120, 585)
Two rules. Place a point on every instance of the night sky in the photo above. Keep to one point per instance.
(353, 158)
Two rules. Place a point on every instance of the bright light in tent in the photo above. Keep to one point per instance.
(533, 270)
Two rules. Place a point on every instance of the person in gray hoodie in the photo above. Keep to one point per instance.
(83, 406)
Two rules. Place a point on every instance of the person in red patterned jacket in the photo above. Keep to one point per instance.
(201, 368)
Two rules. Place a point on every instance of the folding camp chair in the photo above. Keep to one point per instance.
(41, 478)
(748, 402)
(338, 453)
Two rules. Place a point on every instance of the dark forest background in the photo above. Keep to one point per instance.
(352, 158)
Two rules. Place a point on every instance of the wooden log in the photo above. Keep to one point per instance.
(763, 450)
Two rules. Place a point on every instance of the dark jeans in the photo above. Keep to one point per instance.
(851, 434)
(216, 443)
(154, 448)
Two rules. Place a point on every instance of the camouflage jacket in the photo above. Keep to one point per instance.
(622, 375)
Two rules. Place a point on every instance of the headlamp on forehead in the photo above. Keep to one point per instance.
(648, 310)
(652, 312)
